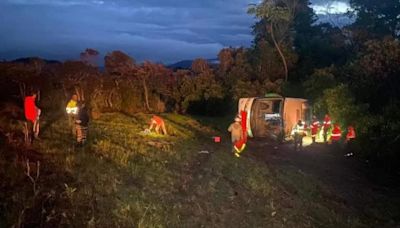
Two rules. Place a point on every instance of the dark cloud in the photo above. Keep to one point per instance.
(160, 30)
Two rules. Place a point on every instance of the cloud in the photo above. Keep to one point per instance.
(159, 30)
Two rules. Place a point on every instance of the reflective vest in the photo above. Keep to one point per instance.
(336, 134)
(72, 107)
(298, 129)
(327, 123)
(351, 133)
(314, 128)
(240, 145)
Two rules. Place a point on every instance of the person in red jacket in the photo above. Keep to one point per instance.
(350, 137)
(326, 126)
(336, 134)
(314, 128)
(157, 122)
(32, 113)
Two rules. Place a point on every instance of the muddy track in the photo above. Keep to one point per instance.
(342, 179)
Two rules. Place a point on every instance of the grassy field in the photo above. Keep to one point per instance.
(123, 178)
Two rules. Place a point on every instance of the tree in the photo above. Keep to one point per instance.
(377, 18)
(274, 15)
(89, 56)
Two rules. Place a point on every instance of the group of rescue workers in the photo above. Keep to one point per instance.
(78, 119)
(326, 128)
(330, 132)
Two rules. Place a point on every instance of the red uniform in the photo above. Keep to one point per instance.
(314, 128)
(351, 133)
(31, 111)
(327, 123)
(159, 121)
(336, 133)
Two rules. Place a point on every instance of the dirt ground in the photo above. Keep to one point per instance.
(346, 178)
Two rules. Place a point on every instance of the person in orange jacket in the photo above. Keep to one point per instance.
(315, 125)
(350, 137)
(158, 123)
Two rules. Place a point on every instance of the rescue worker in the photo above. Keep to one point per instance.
(157, 122)
(350, 137)
(32, 113)
(237, 138)
(72, 111)
(336, 134)
(298, 133)
(315, 125)
(326, 126)
(81, 124)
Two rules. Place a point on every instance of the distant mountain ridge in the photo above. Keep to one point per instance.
(186, 64)
(28, 59)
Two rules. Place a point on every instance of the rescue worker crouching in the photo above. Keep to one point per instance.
(158, 123)
(298, 133)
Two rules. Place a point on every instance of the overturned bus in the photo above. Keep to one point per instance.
(273, 116)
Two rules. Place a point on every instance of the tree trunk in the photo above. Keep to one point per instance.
(280, 52)
(146, 94)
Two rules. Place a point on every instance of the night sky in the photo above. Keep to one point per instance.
(159, 30)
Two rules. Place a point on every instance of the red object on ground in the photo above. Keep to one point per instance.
(336, 133)
(351, 133)
(158, 120)
(31, 112)
(217, 139)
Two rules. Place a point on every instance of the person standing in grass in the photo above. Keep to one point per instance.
(336, 135)
(236, 136)
(81, 124)
(350, 137)
(72, 111)
(298, 133)
(32, 113)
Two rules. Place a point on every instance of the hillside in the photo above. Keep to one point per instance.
(126, 179)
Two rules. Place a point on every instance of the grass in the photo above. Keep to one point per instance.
(123, 178)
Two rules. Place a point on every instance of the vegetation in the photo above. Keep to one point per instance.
(126, 178)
